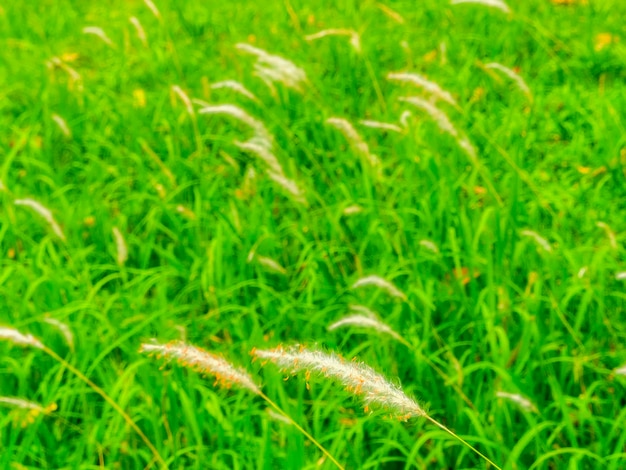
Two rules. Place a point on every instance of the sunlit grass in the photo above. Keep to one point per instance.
(235, 177)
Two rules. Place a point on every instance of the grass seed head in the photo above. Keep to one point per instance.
(499, 4)
(261, 135)
(120, 247)
(43, 212)
(15, 337)
(355, 38)
(519, 81)
(99, 32)
(202, 361)
(354, 139)
(236, 87)
(518, 399)
(275, 68)
(381, 283)
(357, 377)
(430, 87)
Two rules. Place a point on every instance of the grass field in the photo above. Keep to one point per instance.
(165, 176)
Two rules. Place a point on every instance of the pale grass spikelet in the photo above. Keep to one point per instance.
(263, 153)
(581, 272)
(288, 185)
(355, 140)
(64, 329)
(357, 377)
(621, 276)
(430, 87)
(2, 186)
(499, 4)
(385, 126)
(236, 87)
(362, 317)
(609, 233)
(355, 39)
(261, 135)
(275, 68)
(15, 337)
(62, 125)
(381, 283)
(518, 399)
(353, 209)
(404, 118)
(33, 410)
(152, 7)
(226, 375)
(178, 91)
(121, 248)
(435, 113)
(621, 370)
(43, 212)
(141, 33)
(519, 81)
(429, 245)
(542, 242)
(268, 263)
(99, 32)
(278, 417)
(75, 79)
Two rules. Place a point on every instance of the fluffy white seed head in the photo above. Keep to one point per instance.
(120, 247)
(263, 153)
(381, 283)
(519, 81)
(226, 375)
(355, 39)
(609, 233)
(542, 242)
(356, 377)
(499, 4)
(621, 370)
(99, 32)
(429, 245)
(288, 185)
(261, 135)
(64, 329)
(152, 7)
(15, 337)
(276, 68)
(43, 212)
(430, 87)
(621, 276)
(362, 317)
(62, 125)
(435, 113)
(178, 91)
(385, 126)
(141, 33)
(236, 87)
(518, 399)
(354, 139)
(269, 263)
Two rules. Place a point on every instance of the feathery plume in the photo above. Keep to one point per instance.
(620, 276)
(404, 118)
(381, 283)
(581, 272)
(141, 33)
(75, 79)
(275, 68)
(353, 209)
(263, 153)
(43, 212)
(499, 4)
(542, 242)
(288, 185)
(381, 125)
(363, 317)
(97, 31)
(63, 329)
(429, 245)
(355, 140)
(261, 135)
(520, 400)
(203, 362)
(609, 233)
(33, 409)
(268, 263)
(357, 377)
(519, 81)
(435, 113)
(184, 98)
(430, 87)
(120, 247)
(236, 87)
(15, 337)
(355, 39)
(2, 186)
(621, 370)
(62, 125)
(152, 7)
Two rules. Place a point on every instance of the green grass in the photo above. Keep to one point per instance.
(180, 192)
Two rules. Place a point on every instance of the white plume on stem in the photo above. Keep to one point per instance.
(275, 68)
(14, 336)
(357, 377)
(355, 39)
(519, 81)
(43, 212)
(381, 283)
(430, 87)
(499, 4)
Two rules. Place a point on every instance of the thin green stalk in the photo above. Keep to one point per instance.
(301, 429)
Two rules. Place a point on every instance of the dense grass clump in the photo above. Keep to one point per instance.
(435, 189)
